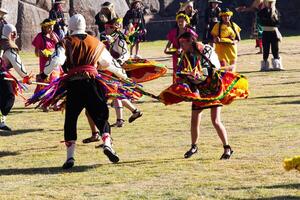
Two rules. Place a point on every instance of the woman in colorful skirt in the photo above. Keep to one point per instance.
(183, 22)
(201, 82)
(226, 36)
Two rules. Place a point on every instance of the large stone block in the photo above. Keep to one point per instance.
(29, 19)
(12, 8)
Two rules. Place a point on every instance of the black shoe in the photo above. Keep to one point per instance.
(135, 115)
(225, 155)
(119, 123)
(69, 163)
(193, 150)
(5, 128)
(111, 154)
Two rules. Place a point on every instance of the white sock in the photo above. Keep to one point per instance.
(70, 149)
(106, 139)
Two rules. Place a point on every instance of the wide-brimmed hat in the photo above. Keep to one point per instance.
(214, 1)
(4, 11)
(225, 12)
(270, 1)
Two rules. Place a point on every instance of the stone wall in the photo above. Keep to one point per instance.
(28, 14)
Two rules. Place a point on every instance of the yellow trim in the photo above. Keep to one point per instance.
(229, 13)
(51, 23)
(187, 19)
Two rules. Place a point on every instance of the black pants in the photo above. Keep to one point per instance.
(7, 97)
(85, 94)
(270, 39)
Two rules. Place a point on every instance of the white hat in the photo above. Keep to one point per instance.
(7, 29)
(214, 1)
(77, 24)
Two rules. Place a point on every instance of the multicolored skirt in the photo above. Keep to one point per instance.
(55, 93)
(220, 89)
(142, 70)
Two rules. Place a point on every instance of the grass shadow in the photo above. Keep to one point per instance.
(275, 97)
(46, 170)
(18, 132)
(286, 83)
(278, 186)
(8, 153)
(285, 197)
(288, 102)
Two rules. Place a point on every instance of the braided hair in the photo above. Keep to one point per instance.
(237, 35)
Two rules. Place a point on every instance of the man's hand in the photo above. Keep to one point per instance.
(27, 80)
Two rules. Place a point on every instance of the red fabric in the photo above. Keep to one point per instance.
(80, 69)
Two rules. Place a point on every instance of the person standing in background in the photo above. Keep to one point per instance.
(211, 18)
(57, 14)
(269, 19)
(106, 14)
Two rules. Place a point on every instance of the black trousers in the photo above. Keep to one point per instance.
(270, 39)
(87, 94)
(7, 97)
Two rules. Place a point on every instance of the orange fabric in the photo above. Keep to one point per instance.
(82, 52)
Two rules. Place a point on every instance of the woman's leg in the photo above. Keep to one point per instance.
(222, 133)
(195, 125)
(136, 113)
(195, 131)
(118, 105)
(137, 48)
(217, 123)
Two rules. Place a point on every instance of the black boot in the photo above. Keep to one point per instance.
(227, 155)
(69, 163)
(193, 150)
(135, 115)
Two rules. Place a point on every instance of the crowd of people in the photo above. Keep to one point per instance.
(80, 69)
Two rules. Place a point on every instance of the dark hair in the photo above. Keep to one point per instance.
(187, 35)
(112, 21)
(237, 36)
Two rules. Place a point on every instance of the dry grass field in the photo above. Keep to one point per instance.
(263, 130)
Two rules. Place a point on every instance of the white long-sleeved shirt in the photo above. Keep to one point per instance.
(11, 57)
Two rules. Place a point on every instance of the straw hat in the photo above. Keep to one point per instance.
(214, 1)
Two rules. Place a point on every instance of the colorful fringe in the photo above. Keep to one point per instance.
(292, 163)
(142, 70)
(221, 89)
(55, 93)
(18, 87)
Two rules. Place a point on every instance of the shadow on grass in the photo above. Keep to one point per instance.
(46, 170)
(286, 83)
(274, 97)
(278, 186)
(8, 153)
(288, 102)
(41, 148)
(156, 161)
(286, 197)
(18, 132)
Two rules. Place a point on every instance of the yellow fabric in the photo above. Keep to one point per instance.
(229, 13)
(226, 51)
